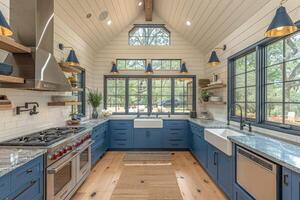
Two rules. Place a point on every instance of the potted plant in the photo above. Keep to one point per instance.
(94, 99)
(205, 95)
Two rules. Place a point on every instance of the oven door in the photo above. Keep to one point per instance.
(83, 160)
(61, 178)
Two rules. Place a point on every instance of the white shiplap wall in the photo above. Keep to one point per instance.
(247, 34)
(12, 125)
(119, 48)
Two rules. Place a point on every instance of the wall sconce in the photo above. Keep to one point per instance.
(5, 29)
(149, 69)
(114, 69)
(72, 60)
(281, 24)
(214, 60)
(183, 69)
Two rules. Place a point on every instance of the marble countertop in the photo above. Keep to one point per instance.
(279, 151)
(209, 123)
(12, 158)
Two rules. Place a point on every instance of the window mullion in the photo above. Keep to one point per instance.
(172, 95)
(126, 95)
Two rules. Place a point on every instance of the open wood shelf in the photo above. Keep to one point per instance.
(6, 107)
(10, 45)
(67, 103)
(212, 87)
(11, 79)
(69, 69)
(213, 103)
(77, 89)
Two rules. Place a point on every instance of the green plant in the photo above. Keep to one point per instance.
(94, 98)
(205, 95)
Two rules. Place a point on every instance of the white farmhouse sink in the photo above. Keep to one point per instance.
(148, 123)
(218, 138)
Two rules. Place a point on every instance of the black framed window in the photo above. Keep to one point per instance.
(166, 64)
(115, 94)
(131, 64)
(80, 92)
(274, 99)
(149, 35)
(244, 87)
(151, 94)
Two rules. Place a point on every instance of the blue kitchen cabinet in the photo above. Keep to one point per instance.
(121, 134)
(240, 194)
(175, 134)
(25, 182)
(290, 185)
(220, 168)
(100, 142)
(148, 138)
(212, 161)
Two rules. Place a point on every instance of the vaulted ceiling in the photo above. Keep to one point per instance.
(211, 20)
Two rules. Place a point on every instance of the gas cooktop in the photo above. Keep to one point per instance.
(44, 138)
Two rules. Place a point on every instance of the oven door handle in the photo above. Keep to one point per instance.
(54, 170)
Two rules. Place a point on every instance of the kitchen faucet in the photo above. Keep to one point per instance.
(243, 123)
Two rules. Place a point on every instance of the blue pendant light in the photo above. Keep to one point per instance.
(72, 59)
(183, 69)
(114, 69)
(214, 60)
(281, 24)
(149, 69)
(5, 29)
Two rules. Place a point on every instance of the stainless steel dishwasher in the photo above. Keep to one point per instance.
(258, 176)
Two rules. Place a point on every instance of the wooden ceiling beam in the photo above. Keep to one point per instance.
(148, 9)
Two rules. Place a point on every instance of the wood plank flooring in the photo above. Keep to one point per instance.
(193, 181)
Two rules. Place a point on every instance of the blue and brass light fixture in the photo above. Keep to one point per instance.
(214, 60)
(149, 69)
(281, 24)
(183, 69)
(72, 60)
(114, 69)
(5, 29)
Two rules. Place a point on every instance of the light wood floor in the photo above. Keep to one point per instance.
(193, 181)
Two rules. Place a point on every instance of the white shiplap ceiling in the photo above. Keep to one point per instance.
(212, 20)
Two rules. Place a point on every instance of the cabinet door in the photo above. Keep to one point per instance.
(286, 184)
(295, 186)
(212, 161)
(240, 194)
(225, 173)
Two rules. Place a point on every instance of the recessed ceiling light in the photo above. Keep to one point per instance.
(188, 23)
(103, 15)
(109, 22)
(140, 3)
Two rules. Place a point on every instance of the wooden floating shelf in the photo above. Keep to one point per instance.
(77, 89)
(213, 103)
(69, 69)
(6, 107)
(69, 103)
(11, 79)
(212, 87)
(10, 45)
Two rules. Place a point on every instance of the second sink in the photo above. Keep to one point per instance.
(148, 123)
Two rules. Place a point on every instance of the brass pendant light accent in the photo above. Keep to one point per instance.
(214, 60)
(114, 69)
(281, 24)
(149, 69)
(5, 29)
(72, 60)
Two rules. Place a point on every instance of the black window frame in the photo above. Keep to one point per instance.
(260, 121)
(82, 97)
(173, 59)
(133, 59)
(148, 26)
(149, 78)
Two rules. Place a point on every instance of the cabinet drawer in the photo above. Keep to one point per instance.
(117, 124)
(177, 124)
(120, 143)
(98, 136)
(32, 191)
(22, 176)
(176, 143)
(176, 134)
(4, 186)
(121, 134)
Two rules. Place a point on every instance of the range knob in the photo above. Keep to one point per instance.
(70, 147)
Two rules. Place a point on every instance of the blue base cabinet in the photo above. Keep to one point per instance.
(240, 194)
(25, 182)
(175, 134)
(100, 142)
(290, 185)
(121, 134)
(198, 144)
(212, 161)
(148, 138)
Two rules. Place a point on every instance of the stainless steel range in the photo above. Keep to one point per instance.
(68, 158)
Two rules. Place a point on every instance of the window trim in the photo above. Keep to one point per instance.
(260, 48)
(150, 77)
(162, 59)
(147, 26)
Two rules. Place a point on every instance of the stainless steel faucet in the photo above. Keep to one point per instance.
(243, 123)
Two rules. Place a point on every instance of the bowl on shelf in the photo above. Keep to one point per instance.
(215, 99)
(6, 69)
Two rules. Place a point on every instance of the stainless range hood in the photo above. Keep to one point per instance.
(33, 24)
